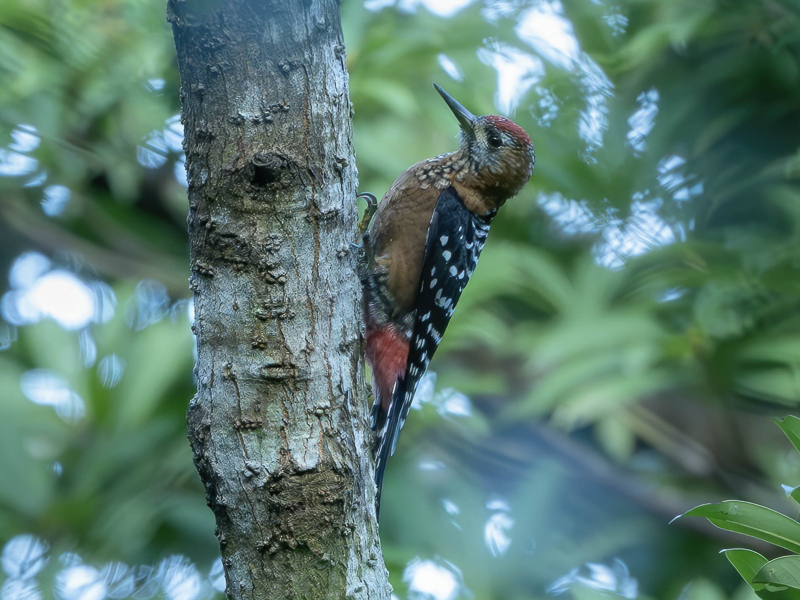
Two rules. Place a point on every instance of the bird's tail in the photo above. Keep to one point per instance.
(387, 354)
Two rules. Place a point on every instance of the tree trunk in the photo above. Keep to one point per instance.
(279, 423)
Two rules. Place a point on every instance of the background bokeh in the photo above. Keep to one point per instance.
(632, 327)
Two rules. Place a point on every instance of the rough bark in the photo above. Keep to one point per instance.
(279, 423)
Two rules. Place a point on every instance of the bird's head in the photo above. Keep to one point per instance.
(499, 152)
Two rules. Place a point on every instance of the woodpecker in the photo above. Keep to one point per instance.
(419, 251)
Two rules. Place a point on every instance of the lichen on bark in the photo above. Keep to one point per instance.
(279, 423)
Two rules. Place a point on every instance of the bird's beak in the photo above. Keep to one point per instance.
(465, 118)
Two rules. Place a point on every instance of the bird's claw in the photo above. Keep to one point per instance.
(369, 211)
(369, 198)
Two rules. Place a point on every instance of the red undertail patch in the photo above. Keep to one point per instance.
(387, 353)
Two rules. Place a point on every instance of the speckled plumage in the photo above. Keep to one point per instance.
(435, 216)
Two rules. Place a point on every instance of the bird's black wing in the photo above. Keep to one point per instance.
(454, 243)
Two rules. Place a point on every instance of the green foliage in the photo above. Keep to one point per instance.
(630, 330)
(770, 579)
(753, 520)
(746, 562)
(127, 475)
(791, 427)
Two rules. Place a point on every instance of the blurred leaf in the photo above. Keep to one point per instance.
(151, 372)
(580, 592)
(776, 384)
(790, 425)
(703, 589)
(744, 592)
(615, 437)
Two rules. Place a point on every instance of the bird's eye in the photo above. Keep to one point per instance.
(494, 140)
